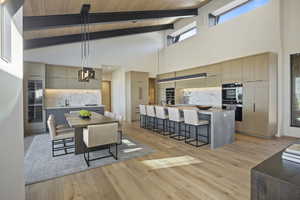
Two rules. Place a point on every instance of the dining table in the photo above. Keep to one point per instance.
(78, 123)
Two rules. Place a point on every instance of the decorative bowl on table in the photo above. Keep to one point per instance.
(204, 107)
(85, 114)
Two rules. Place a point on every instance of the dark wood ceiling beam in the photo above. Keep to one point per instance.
(65, 39)
(53, 21)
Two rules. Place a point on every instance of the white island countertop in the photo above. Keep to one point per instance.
(68, 107)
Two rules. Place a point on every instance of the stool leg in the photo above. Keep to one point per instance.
(197, 134)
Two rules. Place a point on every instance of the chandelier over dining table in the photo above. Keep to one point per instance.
(86, 72)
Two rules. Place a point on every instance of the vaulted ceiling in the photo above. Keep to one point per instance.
(119, 15)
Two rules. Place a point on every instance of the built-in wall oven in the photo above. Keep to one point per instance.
(232, 98)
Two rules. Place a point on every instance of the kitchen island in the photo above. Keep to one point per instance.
(222, 124)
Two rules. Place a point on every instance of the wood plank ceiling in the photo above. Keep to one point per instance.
(64, 7)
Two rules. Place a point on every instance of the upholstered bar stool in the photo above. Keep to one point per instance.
(175, 120)
(143, 116)
(191, 120)
(162, 116)
(151, 117)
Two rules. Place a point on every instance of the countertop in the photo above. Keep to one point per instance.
(281, 169)
(68, 107)
(209, 111)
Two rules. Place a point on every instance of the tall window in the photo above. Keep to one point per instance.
(182, 34)
(234, 9)
(5, 33)
(295, 90)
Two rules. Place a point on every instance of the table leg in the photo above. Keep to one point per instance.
(79, 145)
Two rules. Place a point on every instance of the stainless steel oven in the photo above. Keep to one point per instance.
(232, 98)
(232, 93)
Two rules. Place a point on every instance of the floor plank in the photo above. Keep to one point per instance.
(222, 174)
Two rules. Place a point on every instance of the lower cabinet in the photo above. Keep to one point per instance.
(59, 113)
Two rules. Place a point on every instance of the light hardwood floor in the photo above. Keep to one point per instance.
(223, 174)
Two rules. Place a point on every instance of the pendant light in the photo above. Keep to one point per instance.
(86, 73)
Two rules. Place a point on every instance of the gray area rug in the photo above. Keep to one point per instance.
(41, 166)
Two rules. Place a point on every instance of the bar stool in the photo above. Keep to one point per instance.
(143, 116)
(151, 117)
(177, 121)
(163, 117)
(191, 119)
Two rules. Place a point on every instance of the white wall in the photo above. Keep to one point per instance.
(136, 52)
(291, 44)
(11, 118)
(118, 92)
(254, 32)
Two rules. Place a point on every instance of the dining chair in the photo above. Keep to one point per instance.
(191, 119)
(105, 135)
(120, 127)
(75, 112)
(62, 139)
(109, 114)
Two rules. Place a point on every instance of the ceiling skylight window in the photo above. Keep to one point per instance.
(182, 33)
(233, 10)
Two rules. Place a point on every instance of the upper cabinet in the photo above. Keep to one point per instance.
(34, 71)
(61, 77)
(256, 68)
(232, 71)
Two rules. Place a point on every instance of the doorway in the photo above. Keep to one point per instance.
(106, 95)
(152, 91)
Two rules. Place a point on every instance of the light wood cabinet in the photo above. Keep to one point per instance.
(256, 109)
(256, 68)
(261, 67)
(232, 71)
(192, 83)
(61, 77)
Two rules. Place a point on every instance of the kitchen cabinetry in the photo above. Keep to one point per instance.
(256, 68)
(137, 90)
(259, 96)
(258, 73)
(256, 106)
(60, 77)
(232, 71)
(33, 88)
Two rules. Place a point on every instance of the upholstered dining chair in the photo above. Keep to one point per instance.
(62, 139)
(105, 135)
(120, 127)
(109, 114)
(75, 112)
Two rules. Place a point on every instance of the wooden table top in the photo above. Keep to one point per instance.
(76, 122)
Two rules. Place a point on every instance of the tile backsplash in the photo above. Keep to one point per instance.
(57, 97)
(211, 96)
